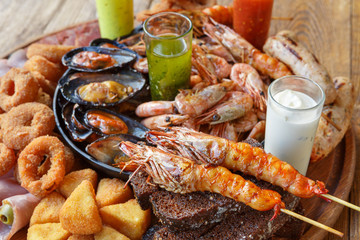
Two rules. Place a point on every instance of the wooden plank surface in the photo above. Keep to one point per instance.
(329, 28)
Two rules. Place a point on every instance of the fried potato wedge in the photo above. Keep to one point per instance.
(80, 214)
(73, 179)
(81, 237)
(112, 191)
(128, 218)
(48, 209)
(47, 231)
(108, 233)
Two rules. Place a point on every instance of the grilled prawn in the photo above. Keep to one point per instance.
(181, 175)
(237, 156)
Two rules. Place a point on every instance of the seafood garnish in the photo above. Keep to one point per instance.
(181, 175)
(96, 59)
(239, 156)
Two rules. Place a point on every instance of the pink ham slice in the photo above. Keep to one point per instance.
(23, 207)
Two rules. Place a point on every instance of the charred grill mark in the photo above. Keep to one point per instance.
(292, 41)
(292, 51)
(316, 60)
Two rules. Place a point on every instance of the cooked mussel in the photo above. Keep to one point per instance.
(96, 59)
(107, 122)
(107, 149)
(102, 89)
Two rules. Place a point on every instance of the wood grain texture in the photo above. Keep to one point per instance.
(329, 28)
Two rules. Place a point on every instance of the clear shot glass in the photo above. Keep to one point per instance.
(168, 39)
(293, 111)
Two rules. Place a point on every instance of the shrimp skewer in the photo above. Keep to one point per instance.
(181, 175)
(243, 51)
(237, 156)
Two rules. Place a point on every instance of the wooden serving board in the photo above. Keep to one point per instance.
(336, 170)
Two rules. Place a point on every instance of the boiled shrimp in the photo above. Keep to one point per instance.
(224, 130)
(248, 80)
(243, 51)
(154, 108)
(258, 131)
(245, 123)
(222, 67)
(236, 104)
(181, 175)
(237, 156)
(203, 65)
(221, 14)
(163, 121)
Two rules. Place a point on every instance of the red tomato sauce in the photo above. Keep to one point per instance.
(252, 20)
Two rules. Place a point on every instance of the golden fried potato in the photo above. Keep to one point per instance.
(108, 233)
(51, 71)
(80, 214)
(112, 191)
(53, 53)
(81, 237)
(128, 218)
(47, 231)
(73, 179)
(48, 209)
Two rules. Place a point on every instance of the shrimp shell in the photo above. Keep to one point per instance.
(154, 108)
(181, 175)
(237, 156)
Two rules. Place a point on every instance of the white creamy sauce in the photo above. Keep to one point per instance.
(290, 133)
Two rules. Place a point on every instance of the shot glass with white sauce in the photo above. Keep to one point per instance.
(293, 111)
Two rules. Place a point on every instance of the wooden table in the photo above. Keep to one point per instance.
(330, 29)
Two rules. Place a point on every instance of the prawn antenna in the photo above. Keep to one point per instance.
(312, 222)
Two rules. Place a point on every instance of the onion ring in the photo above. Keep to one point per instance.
(25, 122)
(32, 156)
(7, 159)
(53, 53)
(16, 87)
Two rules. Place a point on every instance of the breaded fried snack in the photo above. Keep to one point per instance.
(128, 218)
(51, 71)
(81, 237)
(112, 191)
(48, 210)
(53, 53)
(73, 179)
(80, 214)
(47, 231)
(108, 233)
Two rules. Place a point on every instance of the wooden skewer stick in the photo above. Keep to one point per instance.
(331, 122)
(338, 200)
(315, 223)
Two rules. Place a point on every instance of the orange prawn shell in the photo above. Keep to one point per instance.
(16, 87)
(32, 156)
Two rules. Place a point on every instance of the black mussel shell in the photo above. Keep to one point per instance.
(106, 149)
(78, 132)
(105, 42)
(134, 128)
(122, 57)
(126, 77)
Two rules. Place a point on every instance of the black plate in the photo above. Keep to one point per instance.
(78, 147)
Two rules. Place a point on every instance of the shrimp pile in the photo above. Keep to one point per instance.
(221, 55)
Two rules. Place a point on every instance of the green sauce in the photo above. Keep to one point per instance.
(169, 67)
(116, 17)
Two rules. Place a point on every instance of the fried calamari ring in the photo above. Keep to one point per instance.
(69, 163)
(53, 53)
(25, 122)
(7, 159)
(46, 85)
(32, 156)
(51, 71)
(16, 87)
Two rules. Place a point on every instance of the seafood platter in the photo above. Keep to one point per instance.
(189, 168)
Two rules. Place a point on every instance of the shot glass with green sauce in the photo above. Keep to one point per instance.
(116, 17)
(168, 38)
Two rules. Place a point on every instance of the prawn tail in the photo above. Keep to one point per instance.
(277, 209)
(320, 188)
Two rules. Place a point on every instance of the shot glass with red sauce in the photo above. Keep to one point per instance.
(252, 20)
